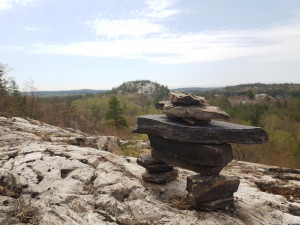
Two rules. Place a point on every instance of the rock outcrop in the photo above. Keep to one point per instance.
(68, 180)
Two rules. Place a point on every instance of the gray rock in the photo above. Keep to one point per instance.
(80, 197)
(216, 132)
(169, 158)
(194, 153)
(160, 178)
(110, 144)
(186, 99)
(198, 112)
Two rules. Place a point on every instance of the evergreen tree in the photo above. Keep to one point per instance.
(114, 113)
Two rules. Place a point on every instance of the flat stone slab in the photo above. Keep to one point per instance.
(153, 165)
(168, 158)
(160, 178)
(215, 132)
(214, 205)
(194, 153)
(204, 189)
(197, 112)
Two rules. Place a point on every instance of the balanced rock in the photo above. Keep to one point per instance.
(197, 112)
(186, 99)
(160, 178)
(168, 158)
(153, 165)
(215, 132)
(193, 153)
(211, 192)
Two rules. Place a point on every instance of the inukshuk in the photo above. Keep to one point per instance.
(188, 137)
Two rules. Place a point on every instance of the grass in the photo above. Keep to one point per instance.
(26, 213)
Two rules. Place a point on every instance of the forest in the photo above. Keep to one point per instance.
(274, 107)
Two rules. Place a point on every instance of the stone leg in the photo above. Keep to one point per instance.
(157, 171)
(211, 192)
(202, 158)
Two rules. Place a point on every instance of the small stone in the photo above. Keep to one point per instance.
(197, 112)
(204, 170)
(203, 189)
(148, 159)
(214, 205)
(153, 165)
(160, 178)
(160, 105)
(186, 99)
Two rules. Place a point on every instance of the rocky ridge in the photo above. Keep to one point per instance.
(51, 175)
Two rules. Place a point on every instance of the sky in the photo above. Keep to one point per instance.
(99, 44)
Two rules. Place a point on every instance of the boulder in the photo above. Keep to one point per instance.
(186, 99)
(215, 132)
(193, 153)
(197, 112)
(110, 144)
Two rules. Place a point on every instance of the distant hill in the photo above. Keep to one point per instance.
(64, 93)
(152, 90)
(274, 90)
(198, 89)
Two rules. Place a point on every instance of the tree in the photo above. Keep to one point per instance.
(114, 113)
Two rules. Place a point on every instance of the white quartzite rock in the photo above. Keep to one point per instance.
(68, 184)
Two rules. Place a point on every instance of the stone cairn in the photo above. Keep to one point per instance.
(188, 137)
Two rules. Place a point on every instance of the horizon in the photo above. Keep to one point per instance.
(171, 88)
(100, 44)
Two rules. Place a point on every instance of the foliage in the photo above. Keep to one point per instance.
(114, 113)
(278, 114)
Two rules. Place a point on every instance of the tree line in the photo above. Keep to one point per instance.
(116, 114)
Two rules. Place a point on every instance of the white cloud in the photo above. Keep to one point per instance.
(160, 9)
(7, 4)
(275, 44)
(130, 27)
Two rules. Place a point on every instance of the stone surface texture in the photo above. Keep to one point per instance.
(186, 99)
(215, 132)
(153, 165)
(170, 159)
(198, 112)
(64, 183)
(194, 153)
(160, 178)
(204, 189)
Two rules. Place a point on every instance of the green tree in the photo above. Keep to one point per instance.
(114, 113)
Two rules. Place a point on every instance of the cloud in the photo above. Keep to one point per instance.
(8, 4)
(160, 9)
(275, 44)
(129, 27)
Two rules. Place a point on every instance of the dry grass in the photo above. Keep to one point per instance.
(26, 213)
(180, 203)
(8, 192)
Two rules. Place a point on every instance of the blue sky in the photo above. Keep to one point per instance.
(97, 44)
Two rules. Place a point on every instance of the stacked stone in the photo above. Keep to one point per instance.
(188, 137)
(157, 171)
